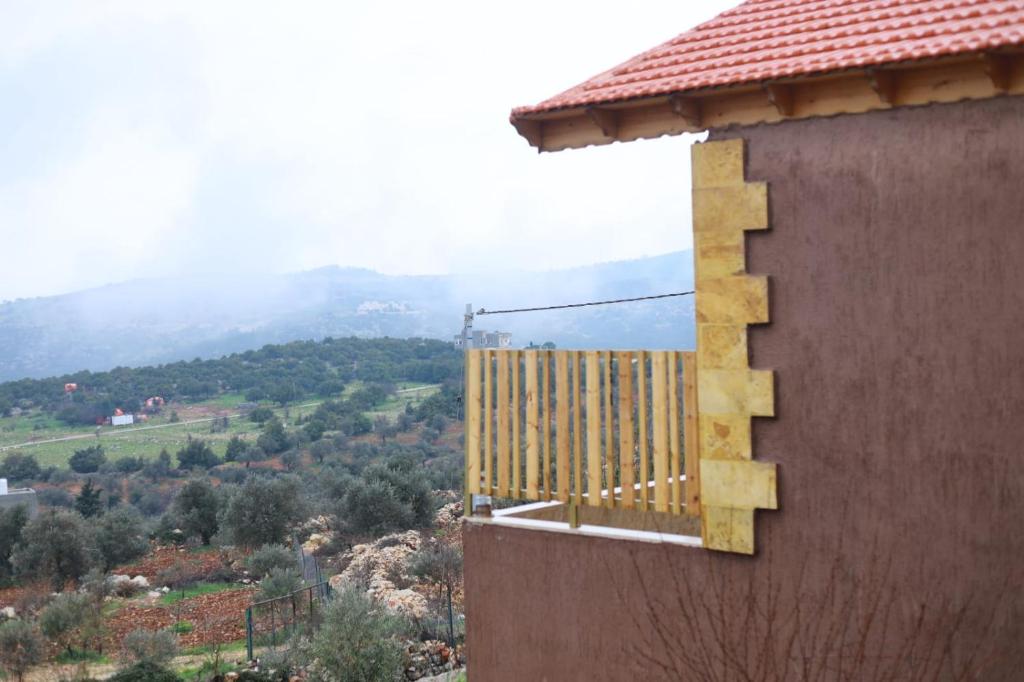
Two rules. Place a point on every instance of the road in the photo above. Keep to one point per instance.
(110, 433)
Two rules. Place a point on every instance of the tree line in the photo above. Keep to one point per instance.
(281, 373)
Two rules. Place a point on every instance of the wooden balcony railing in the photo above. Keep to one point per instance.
(588, 428)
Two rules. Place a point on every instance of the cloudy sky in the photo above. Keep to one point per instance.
(143, 139)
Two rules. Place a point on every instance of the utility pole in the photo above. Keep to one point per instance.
(473, 504)
(467, 327)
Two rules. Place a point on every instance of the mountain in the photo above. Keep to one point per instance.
(161, 320)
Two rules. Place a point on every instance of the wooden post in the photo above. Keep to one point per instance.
(645, 465)
(625, 372)
(691, 435)
(673, 433)
(593, 389)
(562, 424)
(488, 487)
(502, 404)
(517, 473)
(659, 409)
(532, 426)
(472, 397)
(609, 437)
(577, 426)
(546, 412)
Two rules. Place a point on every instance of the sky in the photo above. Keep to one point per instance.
(167, 139)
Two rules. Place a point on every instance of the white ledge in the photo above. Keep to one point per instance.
(502, 517)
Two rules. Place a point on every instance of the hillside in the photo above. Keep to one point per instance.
(163, 320)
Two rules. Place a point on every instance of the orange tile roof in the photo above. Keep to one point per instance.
(772, 39)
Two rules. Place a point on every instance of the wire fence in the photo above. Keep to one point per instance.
(273, 621)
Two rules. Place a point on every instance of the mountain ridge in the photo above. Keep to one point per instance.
(157, 320)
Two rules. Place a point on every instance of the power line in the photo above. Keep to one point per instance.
(582, 305)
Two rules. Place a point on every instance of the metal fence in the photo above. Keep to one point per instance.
(272, 621)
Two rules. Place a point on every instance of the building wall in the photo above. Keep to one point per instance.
(897, 304)
(21, 497)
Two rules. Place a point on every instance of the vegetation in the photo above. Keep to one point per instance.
(157, 647)
(20, 648)
(55, 545)
(267, 558)
(281, 373)
(357, 642)
(146, 671)
(120, 537)
(261, 511)
(365, 458)
(11, 522)
(195, 510)
(279, 582)
(88, 460)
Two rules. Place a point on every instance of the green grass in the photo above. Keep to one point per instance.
(182, 627)
(147, 442)
(208, 649)
(175, 596)
(130, 441)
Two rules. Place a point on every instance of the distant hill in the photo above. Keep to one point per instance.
(154, 321)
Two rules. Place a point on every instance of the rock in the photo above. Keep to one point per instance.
(155, 594)
(8, 613)
(449, 515)
(377, 565)
(315, 542)
(140, 581)
(115, 579)
(165, 589)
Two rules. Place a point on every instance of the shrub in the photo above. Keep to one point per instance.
(120, 537)
(145, 672)
(279, 582)
(149, 646)
(260, 512)
(20, 647)
(357, 641)
(388, 499)
(88, 460)
(196, 508)
(64, 615)
(129, 464)
(57, 545)
(236, 447)
(88, 501)
(273, 439)
(54, 497)
(269, 557)
(20, 467)
(261, 414)
(11, 523)
(197, 453)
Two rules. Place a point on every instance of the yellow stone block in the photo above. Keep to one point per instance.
(735, 391)
(732, 300)
(722, 346)
(741, 207)
(727, 530)
(719, 254)
(725, 436)
(738, 484)
(716, 164)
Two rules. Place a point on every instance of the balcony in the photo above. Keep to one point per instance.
(584, 441)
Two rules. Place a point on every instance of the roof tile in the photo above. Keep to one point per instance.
(769, 39)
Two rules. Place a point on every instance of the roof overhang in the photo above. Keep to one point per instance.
(950, 79)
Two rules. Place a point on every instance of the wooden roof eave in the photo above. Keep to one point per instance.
(950, 79)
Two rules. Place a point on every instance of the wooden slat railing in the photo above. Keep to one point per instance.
(596, 428)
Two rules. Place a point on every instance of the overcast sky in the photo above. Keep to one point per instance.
(146, 139)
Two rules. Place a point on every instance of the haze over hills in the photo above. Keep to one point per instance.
(161, 320)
